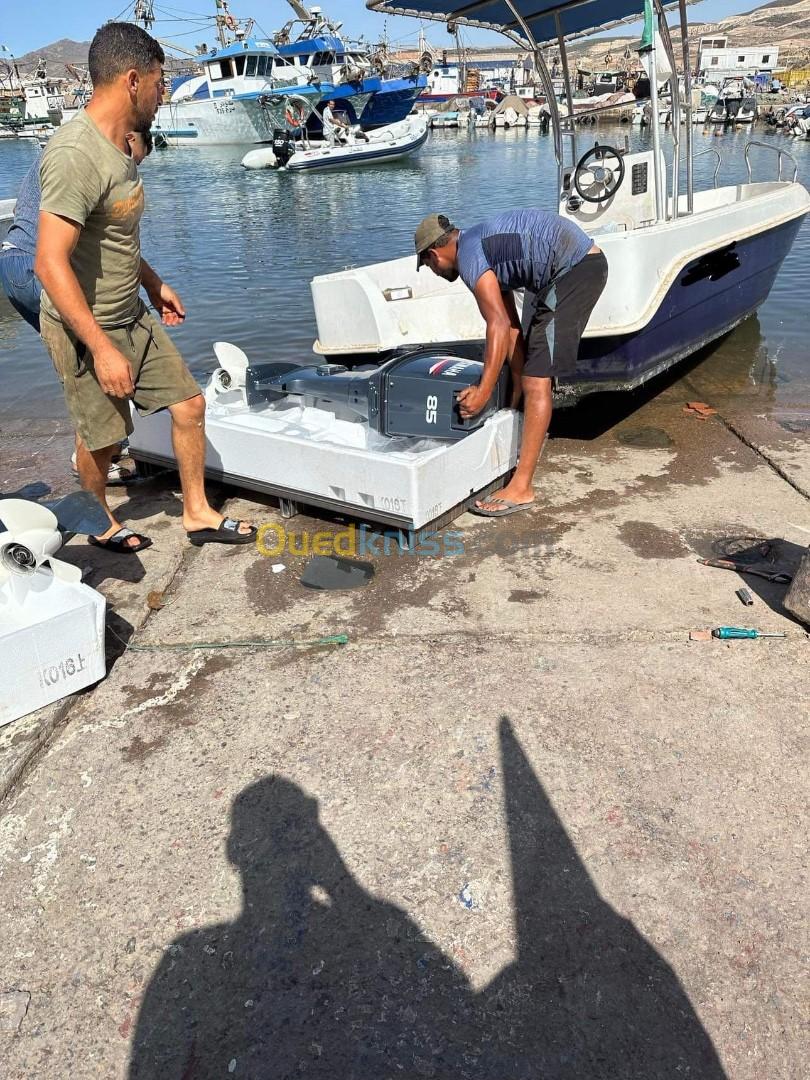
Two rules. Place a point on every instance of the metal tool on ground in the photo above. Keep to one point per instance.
(744, 596)
(728, 632)
(778, 576)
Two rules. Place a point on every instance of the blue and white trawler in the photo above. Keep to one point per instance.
(246, 92)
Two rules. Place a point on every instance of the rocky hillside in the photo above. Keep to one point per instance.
(58, 53)
(785, 23)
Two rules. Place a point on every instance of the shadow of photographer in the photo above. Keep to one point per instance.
(319, 978)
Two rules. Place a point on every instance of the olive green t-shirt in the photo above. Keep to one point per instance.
(87, 179)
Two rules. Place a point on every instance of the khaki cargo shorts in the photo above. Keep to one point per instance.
(159, 373)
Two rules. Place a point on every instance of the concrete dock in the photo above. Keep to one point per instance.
(519, 826)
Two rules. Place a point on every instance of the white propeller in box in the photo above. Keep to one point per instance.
(29, 543)
(51, 624)
(233, 364)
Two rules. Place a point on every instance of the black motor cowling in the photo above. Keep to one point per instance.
(283, 146)
(413, 395)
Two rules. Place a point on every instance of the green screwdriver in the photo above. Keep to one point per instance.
(740, 632)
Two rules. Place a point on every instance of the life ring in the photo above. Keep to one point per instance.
(230, 21)
(295, 114)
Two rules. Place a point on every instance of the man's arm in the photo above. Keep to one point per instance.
(162, 296)
(491, 304)
(57, 238)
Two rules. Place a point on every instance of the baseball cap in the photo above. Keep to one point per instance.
(428, 231)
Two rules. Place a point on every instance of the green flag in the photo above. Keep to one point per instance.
(647, 36)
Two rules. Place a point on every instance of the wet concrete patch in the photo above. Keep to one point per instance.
(650, 541)
(140, 749)
(525, 596)
(155, 700)
(646, 438)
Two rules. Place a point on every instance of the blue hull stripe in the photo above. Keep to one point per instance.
(711, 295)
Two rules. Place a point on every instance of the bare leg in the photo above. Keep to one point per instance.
(93, 466)
(536, 418)
(516, 361)
(188, 440)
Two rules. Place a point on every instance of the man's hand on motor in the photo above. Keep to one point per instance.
(168, 305)
(114, 373)
(471, 401)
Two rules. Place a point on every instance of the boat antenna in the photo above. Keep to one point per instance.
(144, 13)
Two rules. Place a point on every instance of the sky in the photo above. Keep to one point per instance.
(33, 23)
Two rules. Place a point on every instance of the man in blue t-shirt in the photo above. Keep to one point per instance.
(17, 251)
(550, 257)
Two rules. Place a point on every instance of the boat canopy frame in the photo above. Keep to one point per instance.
(537, 24)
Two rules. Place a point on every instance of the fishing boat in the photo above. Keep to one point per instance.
(244, 94)
(350, 76)
(388, 143)
(735, 104)
(686, 265)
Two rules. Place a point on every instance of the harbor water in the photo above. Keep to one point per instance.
(241, 248)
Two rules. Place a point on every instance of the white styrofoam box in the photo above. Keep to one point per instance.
(51, 644)
(311, 452)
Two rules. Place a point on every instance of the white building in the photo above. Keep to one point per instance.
(716, 56)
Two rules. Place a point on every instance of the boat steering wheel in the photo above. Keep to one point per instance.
(598, 182)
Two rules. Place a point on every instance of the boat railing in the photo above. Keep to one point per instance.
(778, 150)
(711, 150)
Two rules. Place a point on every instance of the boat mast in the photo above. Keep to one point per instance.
(648, 48)
(548, 86)
(144, 13)
(570, 125)
(687, 89)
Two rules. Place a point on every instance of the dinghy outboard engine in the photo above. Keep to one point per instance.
(283, 146)
(413, 395)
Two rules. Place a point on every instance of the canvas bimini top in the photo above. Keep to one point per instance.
(547, 20)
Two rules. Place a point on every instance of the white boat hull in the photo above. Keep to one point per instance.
(394, 306)
(220, 121)
(384, 144)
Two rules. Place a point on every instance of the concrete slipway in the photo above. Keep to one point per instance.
(519, 826)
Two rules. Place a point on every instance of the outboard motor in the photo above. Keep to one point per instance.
(413, 395)
(283, 146)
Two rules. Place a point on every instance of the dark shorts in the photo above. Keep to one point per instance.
(560, 316)
(161, 377)
(20, 284)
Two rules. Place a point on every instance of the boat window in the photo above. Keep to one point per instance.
(262, 68)
(250, 68)
(220, 69)
(741, 59)
(239, 62)
(766, 57)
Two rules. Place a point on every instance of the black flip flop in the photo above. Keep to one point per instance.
(118, 542)
(226, 533)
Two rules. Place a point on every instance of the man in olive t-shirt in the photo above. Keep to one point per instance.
(107, 349)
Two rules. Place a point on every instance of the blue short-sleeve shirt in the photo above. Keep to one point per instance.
(23, 233)
(525, 249)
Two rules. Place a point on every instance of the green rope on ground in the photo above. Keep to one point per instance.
(332, 639)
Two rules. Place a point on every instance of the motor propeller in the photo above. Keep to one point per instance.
(29, 543)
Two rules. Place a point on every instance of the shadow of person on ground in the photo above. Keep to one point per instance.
(319, 978)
